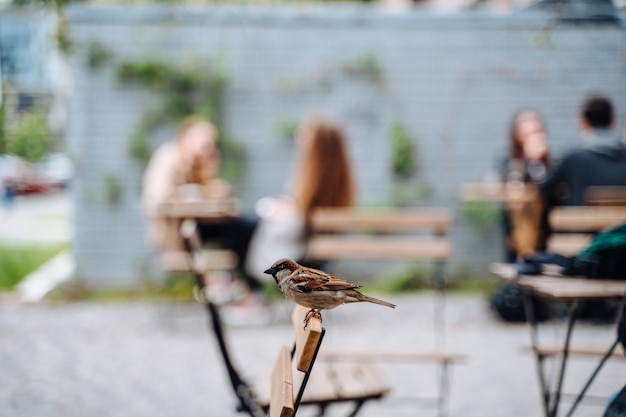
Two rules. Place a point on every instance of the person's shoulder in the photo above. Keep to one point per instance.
(573, 154)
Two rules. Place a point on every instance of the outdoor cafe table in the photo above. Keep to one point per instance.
(570, 290)
(199, 210)
(203, 210)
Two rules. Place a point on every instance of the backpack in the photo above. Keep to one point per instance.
(604, 258)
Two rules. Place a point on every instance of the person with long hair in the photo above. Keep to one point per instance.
(528, 162)
(322, 178)
(529, 155)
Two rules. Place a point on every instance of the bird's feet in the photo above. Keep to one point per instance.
(312, 313)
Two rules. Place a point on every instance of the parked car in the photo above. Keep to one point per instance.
(23, 177)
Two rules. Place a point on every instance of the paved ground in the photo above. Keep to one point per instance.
(157, 359)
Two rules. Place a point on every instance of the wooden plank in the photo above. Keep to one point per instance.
(586, 218)
(562, 287)
(497, 191)
(320, 388)
(606, 196)
(350, 219)
(345, 382)
(204, 209)
(347, 247)
(205, 260)
(281, 396)
(307, 340)
(547, 351)
(387, 356)
(569, 244)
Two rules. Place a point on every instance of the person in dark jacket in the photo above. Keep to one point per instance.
(600, 162)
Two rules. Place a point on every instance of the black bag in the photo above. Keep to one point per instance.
(508, 303)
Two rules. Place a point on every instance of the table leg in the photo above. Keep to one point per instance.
(592, 377)
(570, 327)
(534, 338)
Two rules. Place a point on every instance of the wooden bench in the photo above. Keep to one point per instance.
(390, 235)
(321, 385)
(346, 233)
(573, 228)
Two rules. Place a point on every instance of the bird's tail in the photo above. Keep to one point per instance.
(377, 301)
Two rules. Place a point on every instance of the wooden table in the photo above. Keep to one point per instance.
(571, 290)
(202, 209)
(185, 214)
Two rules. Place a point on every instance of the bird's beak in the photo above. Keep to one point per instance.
(269, 271)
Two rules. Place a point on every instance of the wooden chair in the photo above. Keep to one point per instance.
(392, 235)
(326, 384)
(354, 383)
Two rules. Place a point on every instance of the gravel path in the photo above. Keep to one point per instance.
(158, 359)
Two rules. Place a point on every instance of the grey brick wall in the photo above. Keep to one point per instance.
(453, 80)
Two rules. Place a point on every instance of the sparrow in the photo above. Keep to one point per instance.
(316, 289)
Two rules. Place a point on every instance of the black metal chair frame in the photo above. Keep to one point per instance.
(551, 399)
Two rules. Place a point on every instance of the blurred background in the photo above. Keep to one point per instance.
(425, 91)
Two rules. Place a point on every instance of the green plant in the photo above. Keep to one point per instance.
(184, 90)
(16, 262)
(3, 138)
(480, 215)
(286, 129)
(98, 55)
(31, 138)
(403, 161)
(411, 277)
(367, 67)
(405, 193)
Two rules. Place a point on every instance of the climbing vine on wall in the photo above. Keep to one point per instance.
(184, 90)
(404, 166)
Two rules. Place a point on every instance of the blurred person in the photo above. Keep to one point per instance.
(600, 162)
(524, 218)
(528, 162)
(187, 167)
(322, 178)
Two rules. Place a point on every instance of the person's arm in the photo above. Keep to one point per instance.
(159, 182)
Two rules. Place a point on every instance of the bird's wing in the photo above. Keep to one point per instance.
(309, 279)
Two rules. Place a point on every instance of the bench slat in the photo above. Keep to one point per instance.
(282, 399)
(205, 260)
(569, 244)
(350, 219)
(586, 218)
(344, 247)
(425, 356)
(547, 351)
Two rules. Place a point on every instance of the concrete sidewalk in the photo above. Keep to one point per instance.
(158, 359)
(37, 219)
